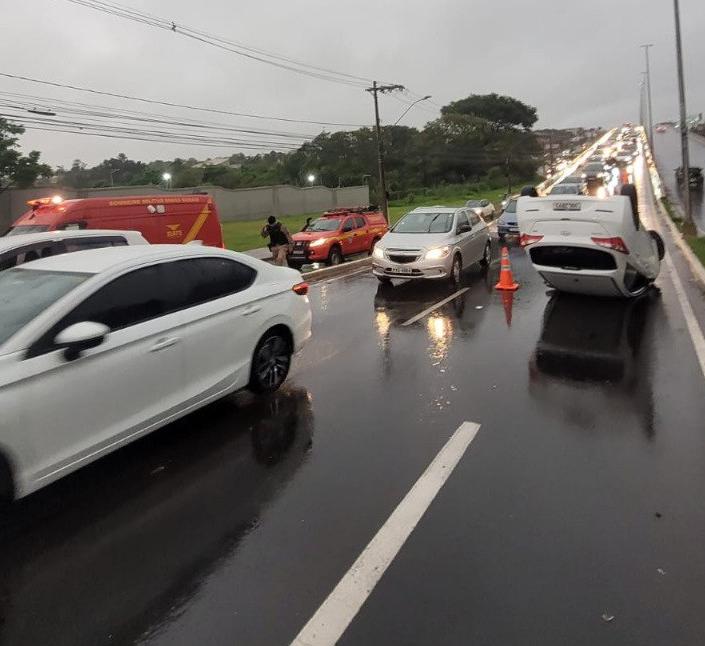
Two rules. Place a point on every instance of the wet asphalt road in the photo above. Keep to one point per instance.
(667, 149)
(581, 495)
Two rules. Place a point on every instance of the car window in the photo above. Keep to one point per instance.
(474, 218)
(360, 222)
(8, 260)
(324, 224)
(462, 219)
(207, 279)
(349, 224)
(425, 222)
(133, 298)
(24, 294)
(81, 244)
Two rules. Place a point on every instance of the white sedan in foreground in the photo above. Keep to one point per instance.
(98, 348)
(589, 245)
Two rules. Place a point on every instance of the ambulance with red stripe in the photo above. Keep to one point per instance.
(161, 219)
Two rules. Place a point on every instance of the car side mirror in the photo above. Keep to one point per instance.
(79, 337)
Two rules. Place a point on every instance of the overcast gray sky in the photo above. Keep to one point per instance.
(579, 63)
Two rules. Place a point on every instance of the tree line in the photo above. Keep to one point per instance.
(479, 138)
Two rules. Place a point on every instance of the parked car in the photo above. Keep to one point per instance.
(26, 247)
(507, 222)
(337, 234)
(161, 219)
(432, 243)
(594, 172)
(589, 245)
(695, 176)
(100, 347)
(484, 208)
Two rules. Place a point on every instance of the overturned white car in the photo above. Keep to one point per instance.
(589, 245)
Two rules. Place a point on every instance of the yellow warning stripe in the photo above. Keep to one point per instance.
(198, 224)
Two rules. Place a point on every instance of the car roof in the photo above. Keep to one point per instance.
(437, 209)
(95, 261)
(22, 239)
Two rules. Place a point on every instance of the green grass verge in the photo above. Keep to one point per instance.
(696, 243)
(698, 247)
(245, 235)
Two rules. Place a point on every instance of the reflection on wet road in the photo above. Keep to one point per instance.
(233, 525)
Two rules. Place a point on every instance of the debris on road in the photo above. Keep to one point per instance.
(607, 618)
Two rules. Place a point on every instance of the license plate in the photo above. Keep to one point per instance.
(296, 252)
(400, 270)
(566, 206)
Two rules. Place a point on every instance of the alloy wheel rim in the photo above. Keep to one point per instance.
(273, 362)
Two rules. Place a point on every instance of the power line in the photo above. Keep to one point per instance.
(260, 55)
(175, 105)
(30, 102)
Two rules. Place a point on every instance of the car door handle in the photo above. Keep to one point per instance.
(163, 344)
(250, 311)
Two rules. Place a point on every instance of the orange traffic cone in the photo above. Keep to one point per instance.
(506, 280)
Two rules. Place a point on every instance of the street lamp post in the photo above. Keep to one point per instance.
(648, 94)
(684, 117)
(375, 90)
(311, 178)
(411, 105)
(167, 179)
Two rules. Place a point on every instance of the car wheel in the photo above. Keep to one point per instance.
(456, 270)
(270, 363)
(487, 255)
(659, 244)
(335, 257)
(384, 280)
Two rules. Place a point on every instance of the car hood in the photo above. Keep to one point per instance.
(314, 235)
(414, 240)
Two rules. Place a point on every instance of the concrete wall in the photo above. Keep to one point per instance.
(239, 204)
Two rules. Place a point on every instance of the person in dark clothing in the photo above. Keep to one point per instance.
(279, 240)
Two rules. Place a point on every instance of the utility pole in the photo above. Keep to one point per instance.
(375, 90)
(648, 94)
(684, 117)
(642, 100)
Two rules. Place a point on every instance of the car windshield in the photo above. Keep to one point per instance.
(424, 222)
(27, 228)
(25, 293)
(511, 207)
(324, 224)
(565, 189)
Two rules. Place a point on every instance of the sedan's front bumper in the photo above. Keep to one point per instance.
(427, 269)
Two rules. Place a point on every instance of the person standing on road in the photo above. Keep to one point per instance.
(279, 240)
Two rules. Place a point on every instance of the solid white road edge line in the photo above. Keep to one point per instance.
(342, 605)
(426, 312)
(696, 334)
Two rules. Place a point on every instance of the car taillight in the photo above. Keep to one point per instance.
(301, 289)
(616, 244)
(526, 239)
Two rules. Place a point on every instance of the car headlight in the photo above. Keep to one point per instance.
(584, 176)
(437, 254)
(318, 243)
(378, 252)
